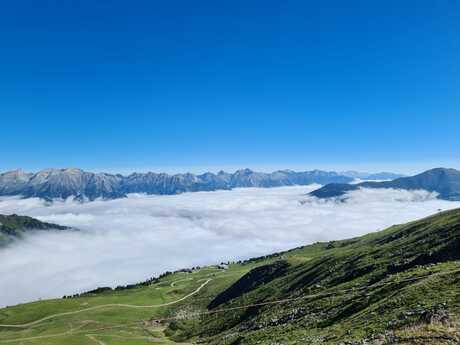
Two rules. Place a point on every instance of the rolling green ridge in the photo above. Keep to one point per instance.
(14, 226)
(397, 286)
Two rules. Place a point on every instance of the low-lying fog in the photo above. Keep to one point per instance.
(128, 240)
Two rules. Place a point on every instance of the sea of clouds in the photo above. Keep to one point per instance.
(128, 240)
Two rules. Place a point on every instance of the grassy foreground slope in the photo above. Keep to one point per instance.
(397, 286)
(121, 316)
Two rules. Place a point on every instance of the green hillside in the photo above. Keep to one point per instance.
(397, 286)
(14, 226)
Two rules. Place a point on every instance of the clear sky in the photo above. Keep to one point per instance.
(189, 85)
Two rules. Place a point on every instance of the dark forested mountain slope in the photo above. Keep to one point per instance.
(14, 226)
(445, 182)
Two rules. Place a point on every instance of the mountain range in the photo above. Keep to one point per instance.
(64, 183)
(371, 176)
(444, 182)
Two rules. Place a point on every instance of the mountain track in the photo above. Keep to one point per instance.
(116, 305)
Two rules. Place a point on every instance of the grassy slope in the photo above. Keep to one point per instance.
(401, 285)
(113, 325)
(380, 286)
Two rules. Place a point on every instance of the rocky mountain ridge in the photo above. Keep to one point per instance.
(64, 183)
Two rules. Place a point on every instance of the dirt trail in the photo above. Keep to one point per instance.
(93, 338)
(32, 323)
(352, 290)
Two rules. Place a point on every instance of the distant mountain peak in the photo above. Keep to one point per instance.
(245, 171)
(18, 173)
(444, 181)
(384, 175)
(441, 171)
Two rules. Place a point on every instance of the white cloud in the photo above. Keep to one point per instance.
(128, 240)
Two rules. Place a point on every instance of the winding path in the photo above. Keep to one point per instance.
(49, 317)
(92, 336)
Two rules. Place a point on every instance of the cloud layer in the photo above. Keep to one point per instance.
(128, 240)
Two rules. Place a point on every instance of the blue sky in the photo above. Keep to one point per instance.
(187, 85)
